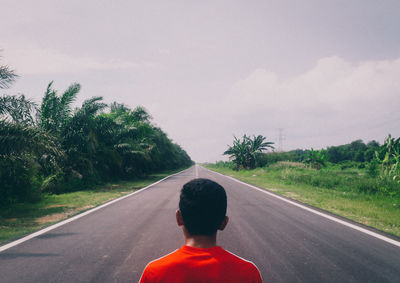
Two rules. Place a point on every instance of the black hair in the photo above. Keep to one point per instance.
(203, 206)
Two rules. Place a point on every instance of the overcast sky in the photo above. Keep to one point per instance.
(325, 72)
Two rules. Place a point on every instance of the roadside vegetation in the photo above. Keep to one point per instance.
(53, 148)
(357, 181)
(54, 157)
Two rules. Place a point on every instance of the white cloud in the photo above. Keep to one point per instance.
(335, 101)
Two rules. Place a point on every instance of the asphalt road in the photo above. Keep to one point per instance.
(287, 243)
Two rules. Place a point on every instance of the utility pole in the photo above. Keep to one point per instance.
(280, 139)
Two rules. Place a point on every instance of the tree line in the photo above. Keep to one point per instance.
(357, 153)
(54, 148)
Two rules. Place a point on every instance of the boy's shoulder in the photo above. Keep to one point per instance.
(238, 259)
(164, 261)
(241, 265)
(193, 260)
(186, 253)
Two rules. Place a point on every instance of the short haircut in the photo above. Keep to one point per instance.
(203, 206)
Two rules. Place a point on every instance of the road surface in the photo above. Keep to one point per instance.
(287, 243)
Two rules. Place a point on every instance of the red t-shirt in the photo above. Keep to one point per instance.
(190, 264)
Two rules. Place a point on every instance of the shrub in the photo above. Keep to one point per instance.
(372, 169)
(18, 181)
(348, 164)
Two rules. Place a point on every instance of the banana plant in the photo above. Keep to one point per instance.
(316, 158)
(390, 161)
(395, 168)
(243, 151)
(237, 152)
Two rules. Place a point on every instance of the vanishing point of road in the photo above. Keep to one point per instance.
(287, 243)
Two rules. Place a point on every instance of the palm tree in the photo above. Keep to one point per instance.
(17, 139)
(18, 108)
(257, 145)
(26, 154)
(56, 110)
(79, 138)
(60, 148)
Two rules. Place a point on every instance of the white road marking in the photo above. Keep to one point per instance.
(355, 227)
(196, 167)
(40, 232)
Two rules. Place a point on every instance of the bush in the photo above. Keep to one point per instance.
(366, 185)
(372, 169)
(18, 181)
(225, 164)
(350, 179)
(348, 164)
(54, 184)
(317, 178)
(361, 165)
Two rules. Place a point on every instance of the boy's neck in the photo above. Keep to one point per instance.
(201, 241)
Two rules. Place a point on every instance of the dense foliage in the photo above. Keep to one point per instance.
(54, 148)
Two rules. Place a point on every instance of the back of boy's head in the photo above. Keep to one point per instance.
(203, 206)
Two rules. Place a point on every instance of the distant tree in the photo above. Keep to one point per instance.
(356, 150)
(359, 156)
(373, 143)
(334, 154)
(357, 145)
(369, 153)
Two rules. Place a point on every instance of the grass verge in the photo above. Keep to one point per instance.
(24, 218)
(372, 209)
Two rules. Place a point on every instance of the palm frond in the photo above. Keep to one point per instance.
(91, 106)
(7, 77)
(68, 97)
(116, 107)
(140, 114)
(18, 108)
(16, 138)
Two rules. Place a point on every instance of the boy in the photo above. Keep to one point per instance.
(202, 211)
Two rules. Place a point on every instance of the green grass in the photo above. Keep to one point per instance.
(349, 193)
(24, 218)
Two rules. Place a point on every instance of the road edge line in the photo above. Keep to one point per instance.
(68, 220)
(330, 217)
